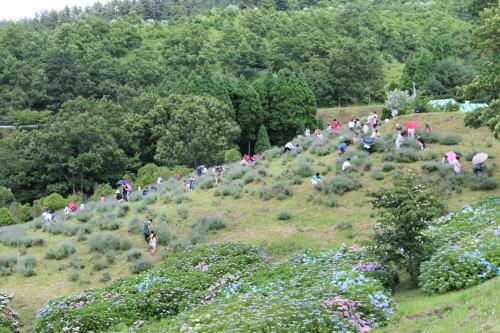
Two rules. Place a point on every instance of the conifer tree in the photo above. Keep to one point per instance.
(263, 142)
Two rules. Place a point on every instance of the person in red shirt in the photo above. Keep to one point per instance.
(335, 125)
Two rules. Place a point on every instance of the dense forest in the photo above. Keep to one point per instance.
(131, 82)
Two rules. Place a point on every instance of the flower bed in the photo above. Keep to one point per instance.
(9, 320)
(161, 292)
(465, 247)
(309, 293)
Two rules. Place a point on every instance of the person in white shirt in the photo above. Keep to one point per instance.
(160, 180)
(289, 147)
(346, 167)
(399, 140)
(456, 165)
(351, 125)
(365, 128)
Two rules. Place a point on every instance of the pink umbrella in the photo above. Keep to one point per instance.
(412, 124)
(73, 206)
(450, 156)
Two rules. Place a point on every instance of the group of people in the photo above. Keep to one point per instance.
(247, 159)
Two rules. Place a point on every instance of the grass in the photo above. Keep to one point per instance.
(471, 310)
(316, 224)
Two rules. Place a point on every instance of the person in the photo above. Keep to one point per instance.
(411, 132)
(289, 147)
(456, 165)
(191, 181)
(335, 125)
(67, 212)
(346, 167)
(342, 148)
(478, 168)
(445, 160)
(316, 179)
(358, 124)
(199, 169)
(219, 174)
(82, 206)
(102, 199)
(394, 112)
(398, 128)
(351, 125)
(421, 142)
(145, 191)
(307, 132)
(365, 128)
(153, 242)
(178, 176)
(369, 118)
(375, 134)
(147, 227)
(124, 192)
(428, 128)
(374, 121)
(399, 140)
(318, 133)
(119, 197)
(160, 180)
(253, 158)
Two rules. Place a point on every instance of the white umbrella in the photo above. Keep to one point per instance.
(479, 158)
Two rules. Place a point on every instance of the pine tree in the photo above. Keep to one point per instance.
(263, 142)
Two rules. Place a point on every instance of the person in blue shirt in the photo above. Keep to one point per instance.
(342, 148)
(316, 179)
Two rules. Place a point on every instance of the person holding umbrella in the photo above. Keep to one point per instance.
(478, 161)
(411, 126)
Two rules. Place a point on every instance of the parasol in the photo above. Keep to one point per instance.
(479, 158)
(412, 124)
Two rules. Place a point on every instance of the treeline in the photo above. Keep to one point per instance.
(114, 93)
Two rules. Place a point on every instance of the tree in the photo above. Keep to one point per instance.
(6, 217)
(448, 75)
(397, 99)
(404, 211)
(193, 130)
(418, 68)
(263, 142)
(488, 117)
(6, 196)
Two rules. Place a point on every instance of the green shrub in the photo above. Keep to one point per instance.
(303, 168)
(344, 225)
(432, 166)
(339, 185)
(135, 226)
(377, 174)
(229, 189)
(163, 233)
(61, 251)
(450, 139)
(105, 277)
(322, 147)
(100, 263)
(6, 217)
(182, 213)
(102, 190)
(388, 167)
(410, 144)
(83, 215)
(428, 155)
(74, 275)
(281, 191)
(270, 154)
(231, 156)
(330, 201)
(482, 183)
(134, 254)
(17, 236)
(284, 215)
(180, 198)
(54, 201)
(206, 182)
(209, 223)
(249, 177)
(7, 264)
(108, 241)
(265, 193)
(27, 266)
(403, 155)
(296, 180)
(109, 222)
(141, 265)
(147, 175)
(76, 262)
(360, 160)
(6, 197)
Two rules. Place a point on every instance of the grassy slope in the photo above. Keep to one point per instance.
(471, 310)
(252, 220)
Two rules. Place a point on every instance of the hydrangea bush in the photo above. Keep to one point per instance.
(331, 291)
(9, 319)
(180, 284)
(465, 247)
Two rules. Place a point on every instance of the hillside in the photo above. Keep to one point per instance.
(250, 203)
